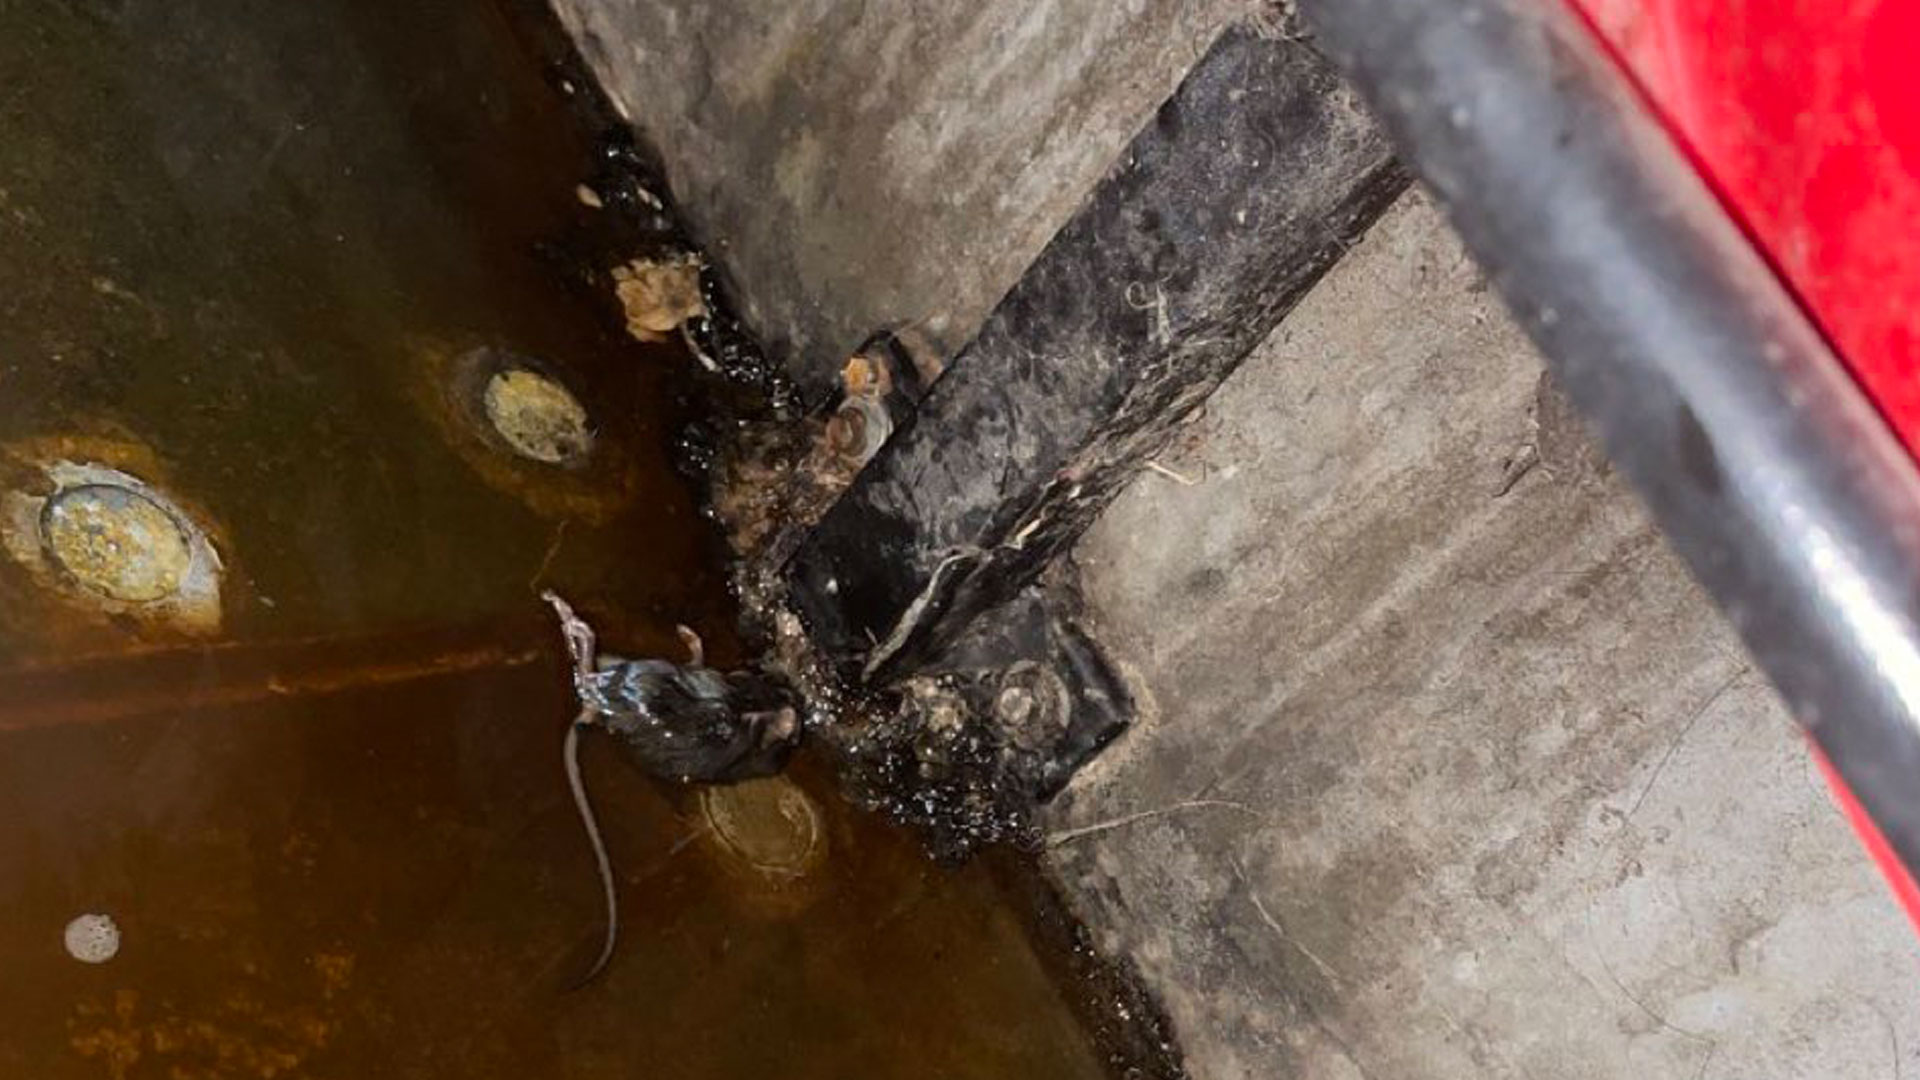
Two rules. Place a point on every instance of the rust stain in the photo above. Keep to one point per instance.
(240, 1036)
(103, 688)
(446, 384)
(115, 1039)
(335, 971)
(36, 601)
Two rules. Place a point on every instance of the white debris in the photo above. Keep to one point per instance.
(93, 939)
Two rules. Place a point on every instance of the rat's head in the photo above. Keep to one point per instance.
(775, 732)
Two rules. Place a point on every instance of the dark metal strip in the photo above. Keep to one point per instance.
(1250, 181)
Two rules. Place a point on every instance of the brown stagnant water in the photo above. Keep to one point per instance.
(239, 243)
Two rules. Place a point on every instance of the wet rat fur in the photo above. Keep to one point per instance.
(678, 722)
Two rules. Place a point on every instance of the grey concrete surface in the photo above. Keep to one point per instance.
(1434, 781)
(1439, 782)
(857, 164)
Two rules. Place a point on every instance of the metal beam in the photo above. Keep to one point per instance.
(1247, 185)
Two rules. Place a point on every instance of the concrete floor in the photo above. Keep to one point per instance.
(1435, 780)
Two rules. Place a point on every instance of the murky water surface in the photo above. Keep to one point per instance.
(249, 253)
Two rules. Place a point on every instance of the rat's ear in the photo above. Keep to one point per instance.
(775, 725)
(696, 649)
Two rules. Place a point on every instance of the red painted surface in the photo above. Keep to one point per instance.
(1805, 116)
(1904, 887)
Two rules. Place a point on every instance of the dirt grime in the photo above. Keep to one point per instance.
(246, 249)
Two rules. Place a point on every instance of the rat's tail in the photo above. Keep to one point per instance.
(580, 802)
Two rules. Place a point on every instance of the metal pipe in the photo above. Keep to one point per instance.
(1770, 470)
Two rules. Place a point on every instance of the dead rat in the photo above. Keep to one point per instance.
(687, 722)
